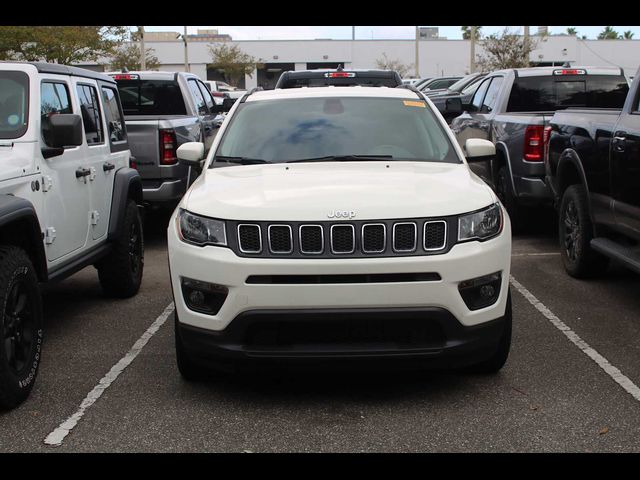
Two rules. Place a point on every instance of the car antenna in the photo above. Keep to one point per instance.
(339, 69)
(125, 70)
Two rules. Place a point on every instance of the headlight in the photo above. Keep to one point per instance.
(201, 230)
(480, 225)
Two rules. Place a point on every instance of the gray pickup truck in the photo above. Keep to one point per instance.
(593, 169)
(512, 107)
(163, 110)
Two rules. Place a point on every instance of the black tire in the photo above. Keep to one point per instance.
(21, 326)
(188, 369)
(120, 273)
(575, 231)
(494, 363)
(504, 191)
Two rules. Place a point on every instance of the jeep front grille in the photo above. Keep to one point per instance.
(354, 239)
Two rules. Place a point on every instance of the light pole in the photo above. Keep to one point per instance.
(417, 52)
(186, 51)
(472, 59)
(143, 56)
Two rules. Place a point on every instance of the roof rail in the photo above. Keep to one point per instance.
(413, 89)
(250, 92)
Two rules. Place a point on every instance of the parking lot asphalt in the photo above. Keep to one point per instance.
(553, 395)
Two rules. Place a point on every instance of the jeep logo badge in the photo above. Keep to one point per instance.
(341, 214)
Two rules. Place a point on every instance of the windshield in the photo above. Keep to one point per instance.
(283, 130)
(473, 86)
(14, 104)
(460, 84)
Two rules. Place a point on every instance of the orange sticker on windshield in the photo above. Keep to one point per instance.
(412, 103)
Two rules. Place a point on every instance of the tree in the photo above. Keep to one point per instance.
(608, 34)
(572, 31)
(505, 50)
(232, 62)
(385, 64)
(628, 35)
(128, 56)
(466, 33)
(59, 44)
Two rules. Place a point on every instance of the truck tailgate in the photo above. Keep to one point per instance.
(144, 142)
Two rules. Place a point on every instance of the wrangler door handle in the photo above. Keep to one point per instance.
(83, 172)
(107, 166)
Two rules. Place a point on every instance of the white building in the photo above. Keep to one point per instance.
(437, 57)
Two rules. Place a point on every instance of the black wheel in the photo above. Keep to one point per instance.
(120, 273)
(20, 326)
(189, 370)
(576, 231)
(504, 191)
(494, 363)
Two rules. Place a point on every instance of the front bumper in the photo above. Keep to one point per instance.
(416, 337)
(465, 332)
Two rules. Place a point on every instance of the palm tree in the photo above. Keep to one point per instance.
(608, 34)
(628, 35)
(466, 33)
(572, 31)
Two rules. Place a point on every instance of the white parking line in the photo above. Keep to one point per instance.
(56, 437)
(602, 362)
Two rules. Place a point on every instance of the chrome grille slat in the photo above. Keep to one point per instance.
(342, 240)
(430, 238)
(368, 238)
(248, 238)
(307, 239)
(402, 238)
(280, 240)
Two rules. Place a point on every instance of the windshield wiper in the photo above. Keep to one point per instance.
(345, 158)
(238, 160)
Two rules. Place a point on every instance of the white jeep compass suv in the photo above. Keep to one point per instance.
(339, 224)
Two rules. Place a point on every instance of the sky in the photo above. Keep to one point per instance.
(367, 32)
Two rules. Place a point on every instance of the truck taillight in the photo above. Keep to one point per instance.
(168, 147)
(217, 94)
(546, 140)
(534, 143)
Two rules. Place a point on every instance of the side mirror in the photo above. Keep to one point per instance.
(478, 150)
(453, 106)
(191, 153)
(468, 107)
(65, 130)
(227, 103)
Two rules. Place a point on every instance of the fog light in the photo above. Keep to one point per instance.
(203, 297)
(196, 298)
(481, 292)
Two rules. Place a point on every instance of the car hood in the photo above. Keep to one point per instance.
(312, 191)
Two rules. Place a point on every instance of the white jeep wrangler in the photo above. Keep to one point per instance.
(339, 224)
(68, 199)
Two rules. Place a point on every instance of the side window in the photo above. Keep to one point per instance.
(54, 99)
(90, 110)
(115, 122)
(207, 96)
(197, 98)
(479, 95)
(490, 98)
